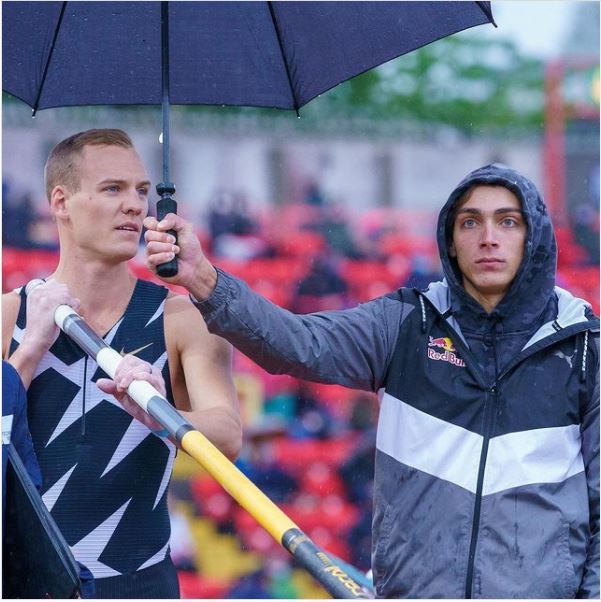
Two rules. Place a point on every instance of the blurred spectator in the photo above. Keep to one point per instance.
(585, 220)
(258, 462)
(424, 270)
(314, 196)
(234, 233)
(336, 231)
(313, 424)
(322, 288)
(18, 213)
(229, 214)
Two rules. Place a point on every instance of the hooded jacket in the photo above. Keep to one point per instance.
(487, 452)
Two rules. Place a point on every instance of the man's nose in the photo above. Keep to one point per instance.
(489, 236)
(133, 203)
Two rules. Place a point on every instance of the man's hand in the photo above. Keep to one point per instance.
(132, 368)
(194, 270)
(42, 301)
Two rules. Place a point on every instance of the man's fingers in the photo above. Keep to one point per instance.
(162, 247)
(52, 293)
(152, 261)
(150, 222)
(171, 222)
(106, 385)
(163, 237)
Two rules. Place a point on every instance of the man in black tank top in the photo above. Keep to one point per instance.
(105, 474)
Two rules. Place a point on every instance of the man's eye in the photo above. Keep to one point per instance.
(112, 188)
(469, 223)
(509, 222)
(143, 191)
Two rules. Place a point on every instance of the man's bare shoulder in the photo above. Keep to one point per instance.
(187, 334)
(181, 313)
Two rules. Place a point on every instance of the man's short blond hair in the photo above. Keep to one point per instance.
(62, 166)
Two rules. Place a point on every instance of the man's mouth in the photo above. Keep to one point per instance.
(129, 228)
(490, 261)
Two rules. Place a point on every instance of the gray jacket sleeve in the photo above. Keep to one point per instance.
(350, 347)
(589, 588)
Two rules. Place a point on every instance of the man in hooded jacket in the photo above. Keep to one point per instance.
(487, 460)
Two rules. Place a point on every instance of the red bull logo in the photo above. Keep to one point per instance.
(442, 343)
(448, 353)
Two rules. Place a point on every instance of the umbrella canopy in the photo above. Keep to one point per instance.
(264, 54)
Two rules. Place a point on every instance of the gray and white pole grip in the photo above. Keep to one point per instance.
(141, 391)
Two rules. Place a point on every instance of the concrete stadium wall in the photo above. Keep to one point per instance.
(361, 173)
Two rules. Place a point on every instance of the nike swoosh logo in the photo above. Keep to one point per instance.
(123, 352)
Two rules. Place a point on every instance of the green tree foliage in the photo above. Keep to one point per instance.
(467, 82)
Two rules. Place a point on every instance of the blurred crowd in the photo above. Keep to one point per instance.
(309, 447)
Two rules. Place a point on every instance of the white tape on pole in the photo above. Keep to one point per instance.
(107, 358)
(61, 313)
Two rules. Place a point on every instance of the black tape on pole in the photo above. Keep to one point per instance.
(337, 582)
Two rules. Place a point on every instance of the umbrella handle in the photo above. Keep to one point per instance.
(166, 204)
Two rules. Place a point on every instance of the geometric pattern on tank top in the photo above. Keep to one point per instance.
(105, 475)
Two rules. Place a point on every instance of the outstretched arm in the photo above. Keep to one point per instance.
(349, 347)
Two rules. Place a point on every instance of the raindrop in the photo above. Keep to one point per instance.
(161, 138)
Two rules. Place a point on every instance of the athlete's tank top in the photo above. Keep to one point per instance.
(105, 475)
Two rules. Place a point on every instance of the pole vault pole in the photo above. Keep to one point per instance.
(321, 566)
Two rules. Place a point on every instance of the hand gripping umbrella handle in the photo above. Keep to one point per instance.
(319, 564)
(166, 204)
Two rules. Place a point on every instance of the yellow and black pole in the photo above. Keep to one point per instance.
(317, 562)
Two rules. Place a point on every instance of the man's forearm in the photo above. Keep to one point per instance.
(25, 361)
(350, 347)
(221, 426)
(204, 283)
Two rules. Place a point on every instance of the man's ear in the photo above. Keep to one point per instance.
(452, 250)
(58, 203)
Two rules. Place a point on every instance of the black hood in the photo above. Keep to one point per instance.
(530, 292)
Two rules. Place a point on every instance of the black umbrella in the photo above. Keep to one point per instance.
(263, 54)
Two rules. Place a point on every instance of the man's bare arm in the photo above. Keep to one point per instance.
(200, 366)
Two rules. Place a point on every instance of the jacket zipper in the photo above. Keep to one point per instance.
(490, 404)
(83, 396)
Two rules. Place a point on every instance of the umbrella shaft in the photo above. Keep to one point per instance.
(165, 85)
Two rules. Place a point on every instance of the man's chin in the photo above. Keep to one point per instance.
(487, 287)
(121, 255)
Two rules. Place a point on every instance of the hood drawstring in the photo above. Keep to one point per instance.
(423, 306)
(584, 354)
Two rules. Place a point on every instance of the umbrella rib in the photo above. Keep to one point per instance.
(281, 45)
(56, 30)
(485, 8)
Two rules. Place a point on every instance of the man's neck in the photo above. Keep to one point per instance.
(104, 289)
(487, 301)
